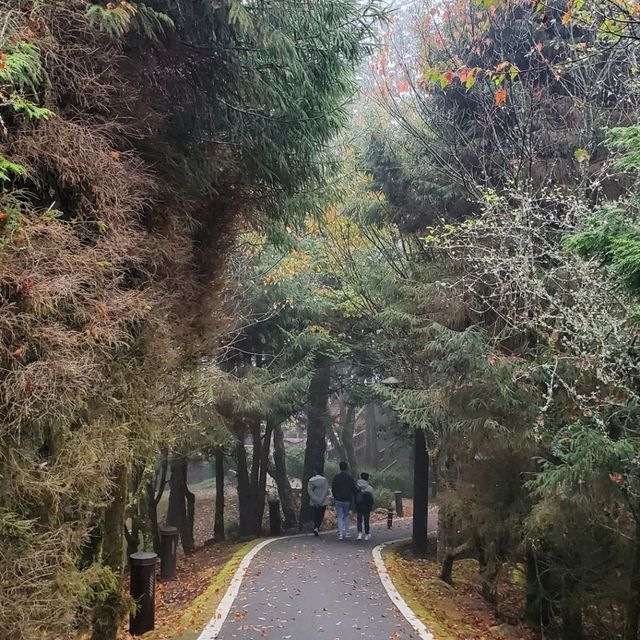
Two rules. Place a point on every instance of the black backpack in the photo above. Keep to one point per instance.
(363, 499)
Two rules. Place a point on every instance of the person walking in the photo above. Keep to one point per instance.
(318, 490)
(343, 488)
(364, 505)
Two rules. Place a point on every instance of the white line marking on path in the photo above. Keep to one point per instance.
(214, 626)
(211, 631)
(396, 598)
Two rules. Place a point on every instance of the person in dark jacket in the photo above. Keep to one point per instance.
(364, 504)
(343, 489)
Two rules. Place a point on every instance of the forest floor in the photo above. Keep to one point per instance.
(458, 611)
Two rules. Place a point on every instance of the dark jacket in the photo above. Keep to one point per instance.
(343, 487)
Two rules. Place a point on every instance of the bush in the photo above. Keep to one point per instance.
(384, 498)
(295, 464)
(393, 481)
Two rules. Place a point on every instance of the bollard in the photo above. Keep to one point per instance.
(143, 591)
(399, 507)
(168, 552)
(390, 518)
(275, 523)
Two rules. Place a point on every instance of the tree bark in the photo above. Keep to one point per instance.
(109, 613)
(244, 491)
(181, 502)
(282, 479)
(262, 476)
(633, 602)
(420, 493)
(154, 496)
(450, 556)
(318, 419)
(538, 593)
(347, 415)
(218, 526)
(572, 628)
(371, 435)
(336, 444)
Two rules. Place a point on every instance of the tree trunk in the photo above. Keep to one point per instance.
(181, 502)
(316, 431)
(109, 613)
(347, 414)
(244, 491)
(572, 628)
(281, 478)
(538, 594)
(218, 526)
(450, 556)
(420, 493)
(371, 435)
(633, 602)
(154, 496)
(490, 573)
(262, 476)
(337, 445)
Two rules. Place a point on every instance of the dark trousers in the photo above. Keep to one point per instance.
(318, 516)
(363, 516)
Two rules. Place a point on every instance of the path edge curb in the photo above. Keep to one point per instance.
(415, 622)
(214, 626)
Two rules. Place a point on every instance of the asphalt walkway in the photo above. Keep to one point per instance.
(307, 588)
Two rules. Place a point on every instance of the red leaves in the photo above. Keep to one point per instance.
(616, 477)
(18, 353)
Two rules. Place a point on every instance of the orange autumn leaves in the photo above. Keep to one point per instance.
(468, 77)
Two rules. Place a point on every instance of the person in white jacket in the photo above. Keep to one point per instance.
(318, 489)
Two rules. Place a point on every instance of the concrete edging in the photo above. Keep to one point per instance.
(394, 594)
(214, 626)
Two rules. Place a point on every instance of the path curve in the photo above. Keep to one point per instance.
(303, 587)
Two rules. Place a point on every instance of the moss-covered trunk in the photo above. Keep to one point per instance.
(181, 509)
(109, 611)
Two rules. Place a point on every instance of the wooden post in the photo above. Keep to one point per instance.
(399, 507)
(420, 493)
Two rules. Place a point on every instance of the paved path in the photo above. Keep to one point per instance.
(307, 588)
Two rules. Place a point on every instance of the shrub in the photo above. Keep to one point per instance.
(393, 481)
(384, 498)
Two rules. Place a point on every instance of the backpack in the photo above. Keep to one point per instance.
(363, 499)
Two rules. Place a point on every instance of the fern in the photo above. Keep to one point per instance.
(153, 23)
(22, 67)
(118, 20)
(9, 170)
(239, 16)
(30, 109)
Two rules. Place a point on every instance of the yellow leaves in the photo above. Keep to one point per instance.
(316, 328)
(295, 263)
(566, 18)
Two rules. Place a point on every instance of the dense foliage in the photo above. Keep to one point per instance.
(135, 139)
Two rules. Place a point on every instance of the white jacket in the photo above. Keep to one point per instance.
(318, 489)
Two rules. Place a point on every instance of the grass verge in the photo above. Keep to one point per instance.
(458, 611)
(194, 615)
